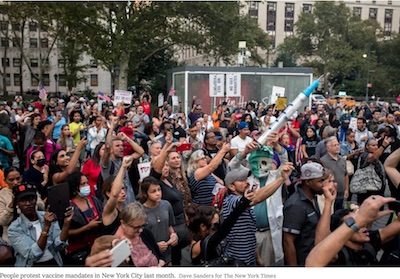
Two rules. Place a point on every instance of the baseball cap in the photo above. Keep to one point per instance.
(81, 99)
(238, 116)
(24, 190)
(254, 133)
(243, 125)
(312, 171)
(18, 97)
(237, 174)
(61, 101)
(172, 117)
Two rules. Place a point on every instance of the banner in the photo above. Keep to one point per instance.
(122, 96)
(216, 85)
(281, 103)
(233, 85)
(277, 91)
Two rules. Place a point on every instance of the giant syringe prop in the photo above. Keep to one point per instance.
(288, 112)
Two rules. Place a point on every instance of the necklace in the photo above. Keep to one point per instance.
(155, 211)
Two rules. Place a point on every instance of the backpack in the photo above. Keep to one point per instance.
(99, 183)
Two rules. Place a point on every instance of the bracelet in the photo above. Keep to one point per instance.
(384, 147)
(45, 234)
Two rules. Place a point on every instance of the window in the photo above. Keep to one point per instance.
(289, 25)
(33, 42)
(307, 8)
(373, 2)
(271, 25)
(34, 62)
(271, 7)
(388, 15)
(5, 62)
(16, 27)
(46, 80)
(94, 80)
(34, 81)
(8, 79)
(44, 26)
(373, 13)
(61, 63)
(289, 10)
(44, 43)
(253, 9)
(61, 80)
(387, 29)
(390, 3)
(32, 26)
(3, 25)
(271, 38)
(357, 11)
(17, 79)
(93, 63)
(4, 42)
(16, 62)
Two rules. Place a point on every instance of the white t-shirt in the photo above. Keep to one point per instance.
(238, 143)
(47, 256)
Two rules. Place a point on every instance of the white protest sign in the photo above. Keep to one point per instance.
(144, 170)
(160, 99)
(353, 123)
(175, 101)
(233, 85)
(277, 91)
(216, 85)
(122, 96)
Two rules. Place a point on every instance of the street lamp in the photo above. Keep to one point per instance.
(367, 55)
(56, 79)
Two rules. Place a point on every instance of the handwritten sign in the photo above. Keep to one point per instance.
(144, 170)
(122, 96)
(233, 85)
(277, 91)
(217, 85)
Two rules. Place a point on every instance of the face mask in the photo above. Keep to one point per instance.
(41, 162)
(30, 108)
(84, 191)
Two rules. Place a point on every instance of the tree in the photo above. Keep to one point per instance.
(332, 40)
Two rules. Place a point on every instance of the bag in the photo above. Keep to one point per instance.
(365, 179)
(349, 167)
(345, 126)
(219, 197)
(221, 260)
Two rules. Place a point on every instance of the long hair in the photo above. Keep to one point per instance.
(74, 181)
(63, 138)
(197, 215)
(96, 154)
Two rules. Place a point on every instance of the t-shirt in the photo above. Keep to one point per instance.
(240, 144)
(311, 145)
(57, 127)
(6, 144)
(73, 127)
(146, 108)
(142, 119)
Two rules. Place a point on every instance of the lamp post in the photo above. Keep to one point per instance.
(367, 55)
(56, 80)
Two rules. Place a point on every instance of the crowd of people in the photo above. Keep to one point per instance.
(197, 189)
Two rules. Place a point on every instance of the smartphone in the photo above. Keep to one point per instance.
(394, 205)
(184, 147)
(120, 252)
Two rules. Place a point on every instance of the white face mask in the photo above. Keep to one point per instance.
(84, 191)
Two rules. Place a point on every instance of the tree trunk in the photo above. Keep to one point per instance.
(122, 83)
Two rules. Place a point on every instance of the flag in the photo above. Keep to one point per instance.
(171, 92)
(42, 90)
(103, 96)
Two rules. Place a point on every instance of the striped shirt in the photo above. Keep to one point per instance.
(202, 189)
(241, 241)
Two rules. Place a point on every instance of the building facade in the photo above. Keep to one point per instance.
(41, 52)
(277, 19)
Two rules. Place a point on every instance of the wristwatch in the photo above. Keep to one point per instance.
(351, 223)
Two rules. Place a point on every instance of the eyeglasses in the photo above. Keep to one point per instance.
(137, 228)
(201, 158)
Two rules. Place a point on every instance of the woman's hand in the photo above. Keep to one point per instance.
(163, 246)
(173, 239)
(81, 144)
(93, 223)
(49, 217)
(69, 214)
(102, 259)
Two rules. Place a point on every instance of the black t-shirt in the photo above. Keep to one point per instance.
(364, 257)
